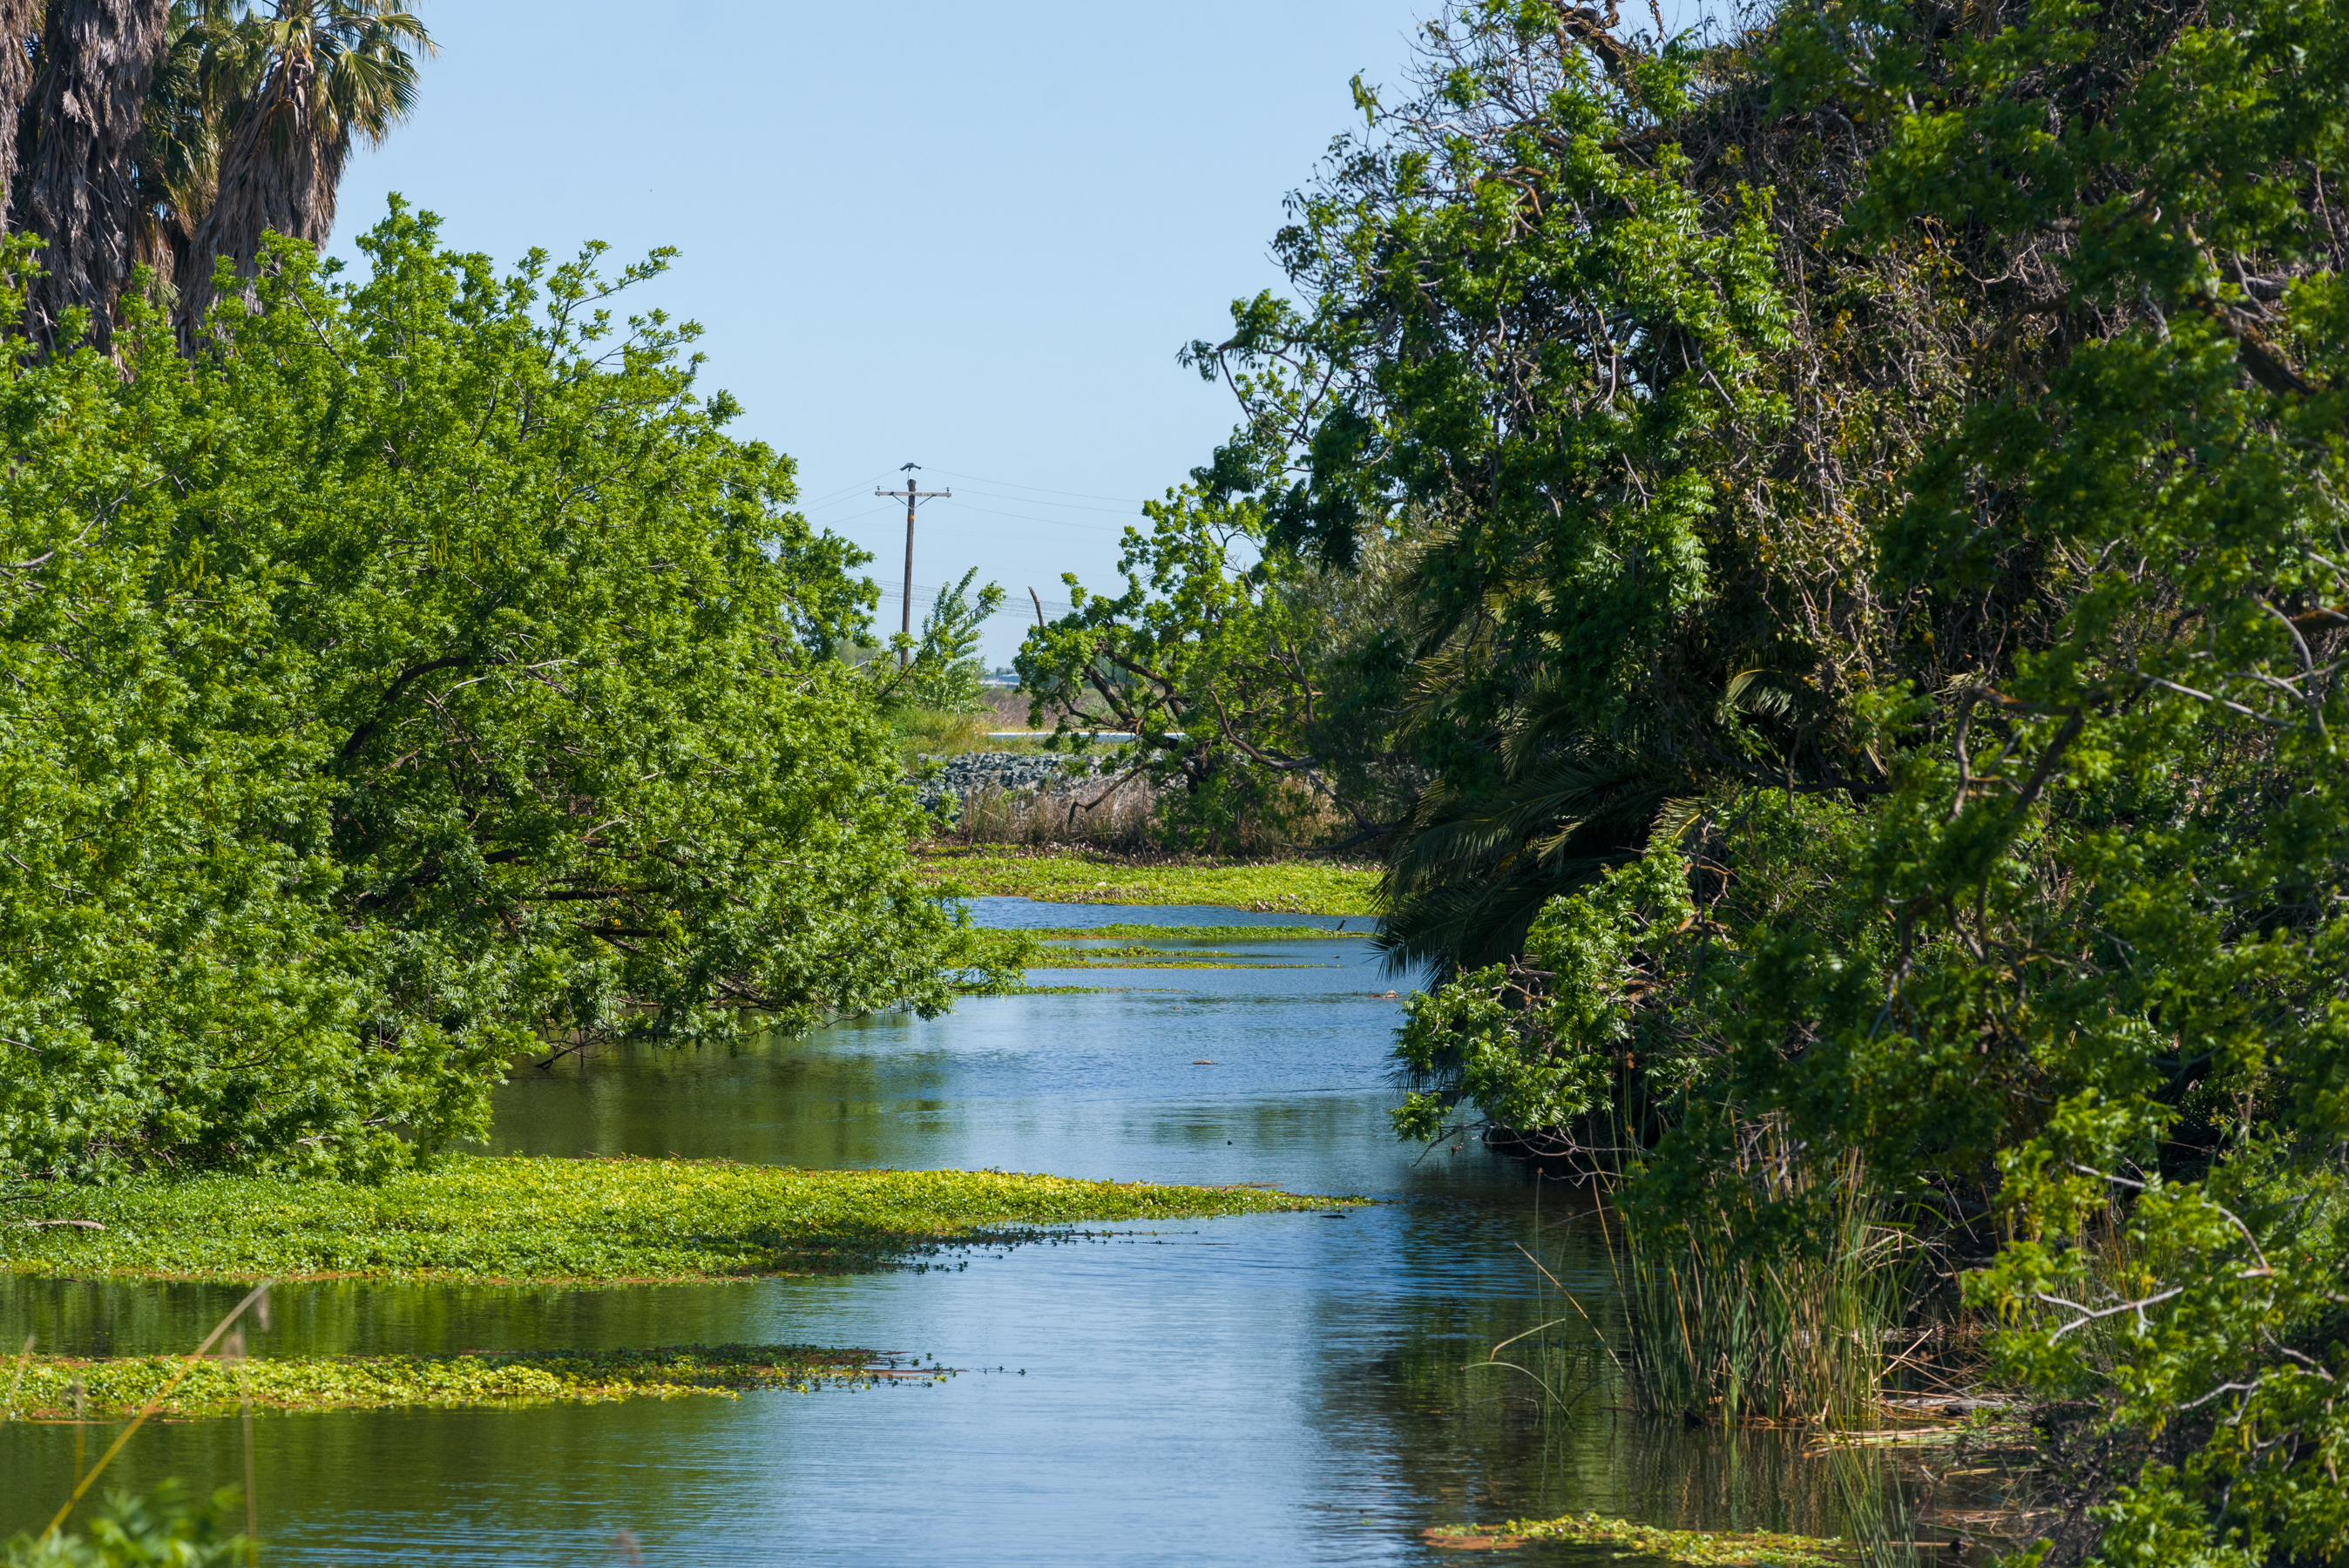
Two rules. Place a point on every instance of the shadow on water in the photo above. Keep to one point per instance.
(1269, 1389)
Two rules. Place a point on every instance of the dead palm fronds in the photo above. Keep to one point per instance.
(75, 186)
(20, 21)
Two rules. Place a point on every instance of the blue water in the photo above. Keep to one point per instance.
(1278, 1388)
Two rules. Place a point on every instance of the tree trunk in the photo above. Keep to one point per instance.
(74, 186)
(276, 177)
(20, 21)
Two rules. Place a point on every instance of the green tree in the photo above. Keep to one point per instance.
(1879, 635)
(1241, 672)
(946, 671)
(421, 676)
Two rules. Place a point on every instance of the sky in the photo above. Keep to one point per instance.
(972, 237)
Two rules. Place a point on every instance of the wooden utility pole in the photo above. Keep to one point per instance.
(913, 498)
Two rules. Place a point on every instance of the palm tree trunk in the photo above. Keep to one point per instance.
(74, 185)
(20, 20)
(274, 177)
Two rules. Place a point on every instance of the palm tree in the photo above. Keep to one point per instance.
(20, 24)
(329, 70)
(213, 55)
(73, 187)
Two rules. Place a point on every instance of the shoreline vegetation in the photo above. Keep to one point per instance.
(1055, 873)
(56, 1389)
(585, 1221)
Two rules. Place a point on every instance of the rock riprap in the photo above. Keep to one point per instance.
(1014, 773)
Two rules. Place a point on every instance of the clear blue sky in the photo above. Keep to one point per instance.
(968, 236)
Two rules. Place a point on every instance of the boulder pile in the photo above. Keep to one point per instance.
(1014, 773)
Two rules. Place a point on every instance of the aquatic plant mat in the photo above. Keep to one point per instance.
(518, 1219)
(1700, 1546)
(1362, 930)
(49, 1387)
(1059, 875)
(1115, 956)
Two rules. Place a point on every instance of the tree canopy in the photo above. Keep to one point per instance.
(1864, 668)
(420, 676)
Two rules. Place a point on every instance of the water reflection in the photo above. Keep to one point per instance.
(1279, 1388)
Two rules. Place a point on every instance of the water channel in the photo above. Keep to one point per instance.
(1277, 1388)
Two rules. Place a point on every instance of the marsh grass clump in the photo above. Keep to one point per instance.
(1107, 815)
(591, 1221)
(931, 732)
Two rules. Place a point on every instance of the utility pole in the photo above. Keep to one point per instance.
(912, 496)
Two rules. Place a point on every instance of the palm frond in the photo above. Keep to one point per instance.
(1473, 868)
(328, 70)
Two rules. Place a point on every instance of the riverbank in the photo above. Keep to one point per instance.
(64, 1388)
(516, 1220)
(1063, 874)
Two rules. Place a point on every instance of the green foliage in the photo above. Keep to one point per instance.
(1225, 662)
(167, 1530)
(947, 672)
(422, 672)
(1878, 614)
(1540, 1043)
(575, 1221)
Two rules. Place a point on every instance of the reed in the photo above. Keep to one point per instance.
(1737, 1315)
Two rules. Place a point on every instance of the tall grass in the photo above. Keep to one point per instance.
(1118, 815)
(1777, 1300)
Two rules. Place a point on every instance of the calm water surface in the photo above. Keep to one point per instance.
(1273, 1389)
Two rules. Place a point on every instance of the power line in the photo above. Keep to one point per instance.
(1014, 484)
(832, 498)
(1017, 517)
(1065, 505)
(1054, 521)
(928, 593)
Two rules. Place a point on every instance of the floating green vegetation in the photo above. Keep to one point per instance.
(44, 1387)
(1199, 933)
(1145, 957)
(1069, 876)
(1762, 1548)
(518, 1219)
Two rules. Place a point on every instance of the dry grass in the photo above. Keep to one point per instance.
(1113, 814)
